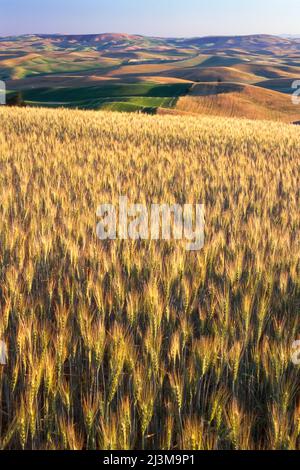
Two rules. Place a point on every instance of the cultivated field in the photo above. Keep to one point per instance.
(238, 100)
(115, 72)
(130, 345)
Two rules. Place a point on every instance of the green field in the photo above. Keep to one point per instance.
(146, 97)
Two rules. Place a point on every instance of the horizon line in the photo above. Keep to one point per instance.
(287, 35)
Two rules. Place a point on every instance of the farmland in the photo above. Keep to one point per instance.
(144, 345)
(142, 96)
(238, 100)
(41, 69)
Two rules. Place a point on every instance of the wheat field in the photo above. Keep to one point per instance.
(239, 101)
(144, 345)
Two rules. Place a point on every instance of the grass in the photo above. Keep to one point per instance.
(130, 345)
(219, 61)
(126, 107)
(41, 64)
(104, 91)
(134, 104)
(129, 97)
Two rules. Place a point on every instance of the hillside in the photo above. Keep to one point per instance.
(252, 43)
(238, 100)
(213, 74)
(47, 65)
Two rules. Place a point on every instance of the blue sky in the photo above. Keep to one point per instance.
(150, 17)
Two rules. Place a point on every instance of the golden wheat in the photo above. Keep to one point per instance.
(126, 345)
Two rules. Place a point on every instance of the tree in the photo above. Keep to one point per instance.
(16, 99)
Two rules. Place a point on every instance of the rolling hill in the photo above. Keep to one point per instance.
(34, 63)
(238, 100)
(119, 40)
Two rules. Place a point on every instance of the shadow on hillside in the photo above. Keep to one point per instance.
(209, 89)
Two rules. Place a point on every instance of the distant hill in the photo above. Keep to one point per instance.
(129, 72)
(258, 42)
(249, 43)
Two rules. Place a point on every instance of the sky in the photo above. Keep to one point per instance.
(176, 18)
